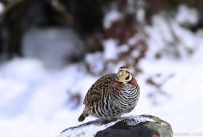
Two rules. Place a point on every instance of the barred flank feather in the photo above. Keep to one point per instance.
(117, 102)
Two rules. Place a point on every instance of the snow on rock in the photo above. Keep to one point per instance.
(152, 125)
(87, 130)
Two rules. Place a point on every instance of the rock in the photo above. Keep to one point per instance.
(130, 126)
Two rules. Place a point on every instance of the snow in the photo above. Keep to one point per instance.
(90, 129)
(56, 42)
(95, 62)
(184, 12)
(110, 17)
(34, 98)
(109, 49)
(166, 32)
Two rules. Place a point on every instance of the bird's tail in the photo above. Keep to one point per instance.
(82, 117)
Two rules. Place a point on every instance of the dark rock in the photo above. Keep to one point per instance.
(137, 131)
(131, 126)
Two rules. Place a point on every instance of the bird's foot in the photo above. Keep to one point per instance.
(106, 121)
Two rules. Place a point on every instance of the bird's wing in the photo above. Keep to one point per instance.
(96, 91)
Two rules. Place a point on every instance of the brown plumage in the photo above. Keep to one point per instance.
(111, 96)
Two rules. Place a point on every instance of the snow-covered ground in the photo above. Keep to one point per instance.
(34, 99)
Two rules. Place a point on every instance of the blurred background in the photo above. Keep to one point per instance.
(52, 51)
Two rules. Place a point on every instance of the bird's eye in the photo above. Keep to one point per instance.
(127, 77)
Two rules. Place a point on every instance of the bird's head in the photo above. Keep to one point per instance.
(124, 74)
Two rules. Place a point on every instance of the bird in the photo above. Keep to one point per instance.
(111, 96)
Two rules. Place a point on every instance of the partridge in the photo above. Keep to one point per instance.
(111, 96)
